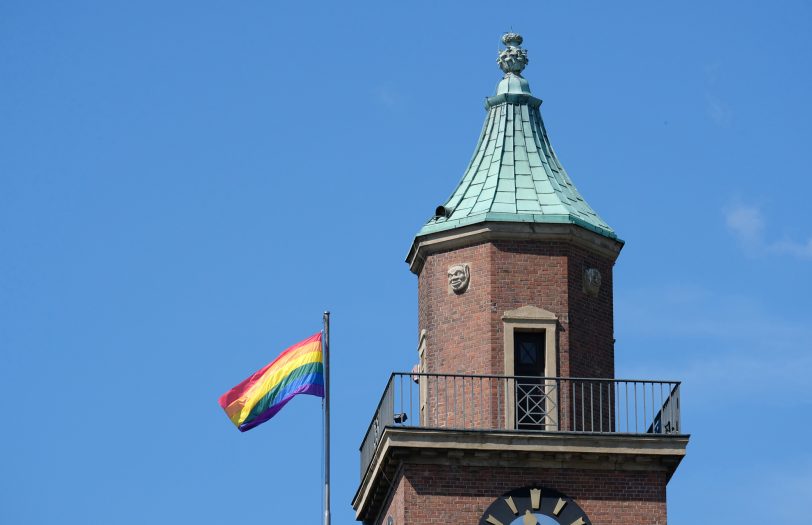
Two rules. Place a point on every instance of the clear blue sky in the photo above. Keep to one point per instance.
(185, 186)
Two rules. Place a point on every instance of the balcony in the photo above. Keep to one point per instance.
(524, 405)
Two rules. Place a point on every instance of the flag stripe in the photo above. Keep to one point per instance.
(312, 373)
(245, 386)
(238, 411)
(312, 389)
(297, 370)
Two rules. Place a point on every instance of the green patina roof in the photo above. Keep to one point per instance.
(514, 175)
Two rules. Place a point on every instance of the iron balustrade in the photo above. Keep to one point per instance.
(528, 404)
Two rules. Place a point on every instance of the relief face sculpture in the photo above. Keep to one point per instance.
(459, 276)
(592, 281)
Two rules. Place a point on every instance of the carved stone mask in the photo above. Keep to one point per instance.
(459, 276)
(592, 281)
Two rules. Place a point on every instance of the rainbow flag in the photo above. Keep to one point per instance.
(297, 370)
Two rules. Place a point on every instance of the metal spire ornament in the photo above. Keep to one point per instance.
(513, 59)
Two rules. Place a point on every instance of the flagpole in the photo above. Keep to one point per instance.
(326, 319)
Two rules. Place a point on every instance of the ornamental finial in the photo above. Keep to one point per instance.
(513, 59)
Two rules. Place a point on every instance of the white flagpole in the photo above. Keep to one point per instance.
(326, 404)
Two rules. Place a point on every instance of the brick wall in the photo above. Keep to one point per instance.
(591, 319)
(465, 332)
(459, 332)
(394, 505)
(440, 494)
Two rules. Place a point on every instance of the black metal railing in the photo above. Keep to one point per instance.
(540, 404)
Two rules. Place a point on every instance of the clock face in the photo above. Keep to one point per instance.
(534, 506)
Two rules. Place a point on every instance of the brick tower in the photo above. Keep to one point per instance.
(515, 415)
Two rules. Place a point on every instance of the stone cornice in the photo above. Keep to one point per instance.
(570, 450)
(426, 245)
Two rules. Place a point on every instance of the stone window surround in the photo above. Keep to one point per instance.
(421, 367)
(529, 319)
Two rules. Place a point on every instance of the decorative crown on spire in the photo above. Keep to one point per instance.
(514, 176)
(513, 59)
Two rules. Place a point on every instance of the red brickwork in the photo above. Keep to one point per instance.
(459, 332)
(440, 494)
(465, 332)
(394, 505)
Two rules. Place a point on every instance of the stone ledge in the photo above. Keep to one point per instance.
(555, 450)
(424, 246)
